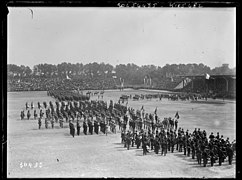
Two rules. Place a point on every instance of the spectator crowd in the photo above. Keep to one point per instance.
(46, 84)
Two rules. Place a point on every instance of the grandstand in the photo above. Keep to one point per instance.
(221, 85)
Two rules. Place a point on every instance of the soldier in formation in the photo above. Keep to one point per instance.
(78, 127)
(39, 123)
(46, 123)
(213, 148)
(95, 113)
(196, 144)
(52, 123)
(35, 114)
(28, 115)
(22, 115)
(72, 129)
(85, 128)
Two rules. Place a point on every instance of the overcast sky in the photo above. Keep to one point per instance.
(142, 36)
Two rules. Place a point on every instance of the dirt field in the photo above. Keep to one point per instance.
(54, 153)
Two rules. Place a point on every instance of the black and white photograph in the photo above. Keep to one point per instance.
(123, 92)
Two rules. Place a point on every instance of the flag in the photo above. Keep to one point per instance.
(67, 77)
(207, 76)
(155, 110)
(177, 115)
(106, 72)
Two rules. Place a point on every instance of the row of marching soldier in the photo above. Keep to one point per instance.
(166, 137)
(94, 115)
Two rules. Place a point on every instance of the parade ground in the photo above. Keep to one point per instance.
(39, 153)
